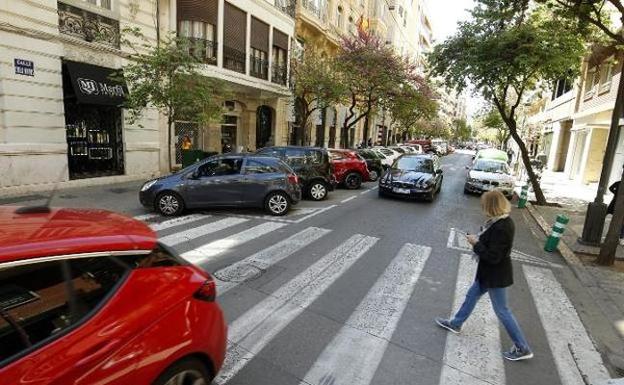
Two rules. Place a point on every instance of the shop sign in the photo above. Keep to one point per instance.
(24, 67)
(96, 85)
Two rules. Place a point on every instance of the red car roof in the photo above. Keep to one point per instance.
(69, 231)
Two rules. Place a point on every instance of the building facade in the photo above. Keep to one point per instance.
(60, 120)
(576, 119)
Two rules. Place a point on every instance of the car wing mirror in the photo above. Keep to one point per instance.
(439, 171)
(193, 175)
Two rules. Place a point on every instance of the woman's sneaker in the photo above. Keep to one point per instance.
(446, 324)
(517, 354)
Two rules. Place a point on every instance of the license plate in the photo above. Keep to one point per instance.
(487, 187)
(400, 190)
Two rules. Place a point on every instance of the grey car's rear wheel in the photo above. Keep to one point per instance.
(169, 204)
(277, 203)
(189, 371)
(317, 191)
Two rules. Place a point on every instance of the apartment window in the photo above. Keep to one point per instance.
(259, 63)
(106, 4)
(591, 79)
(561, 87)
(201, 38)
(234, 38)
(606, 73)
(259, 49)
(279, 65)
(351, 25)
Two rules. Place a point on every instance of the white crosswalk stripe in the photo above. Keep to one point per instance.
(179, 221)
(474, 356)
(199, 231)
(251, 332)
(206, 252)
(355, 353)
(231, 276)
(574, 353)
(145, 217)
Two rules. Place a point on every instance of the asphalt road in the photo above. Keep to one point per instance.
(344, 292)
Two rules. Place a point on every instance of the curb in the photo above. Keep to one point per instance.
(613, 358)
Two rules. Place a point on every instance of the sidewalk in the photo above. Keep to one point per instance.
(604, 285)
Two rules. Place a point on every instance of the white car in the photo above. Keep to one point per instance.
(393, 155)
(386, 161)
(489, 174)
(415, 148)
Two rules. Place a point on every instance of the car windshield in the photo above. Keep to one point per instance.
(491, 166)
(410, 163)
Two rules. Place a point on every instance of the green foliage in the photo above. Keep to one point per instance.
(408, 106)
(493, 128)
(461, 130)
(168, 78)
(507, 49)
(430, 128)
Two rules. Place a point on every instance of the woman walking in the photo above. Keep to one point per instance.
(494, 273)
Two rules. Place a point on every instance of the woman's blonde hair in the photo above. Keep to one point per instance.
(494, 204)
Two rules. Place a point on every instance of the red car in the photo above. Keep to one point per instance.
(350, 169)
(91, 297)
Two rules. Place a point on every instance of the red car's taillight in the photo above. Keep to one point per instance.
(207, 291)
(293, 178)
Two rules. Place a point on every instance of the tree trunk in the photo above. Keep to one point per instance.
(609, 247)
(537, 189)
(332, 136)
(366, 127)
(169, 138)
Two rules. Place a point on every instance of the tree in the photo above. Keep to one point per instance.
(372, 71)
(407, 106)
(504, 51)
(461, 130)
(317, 85)
(492, 120)
(168, 78)
(588, 16)
(431, 128)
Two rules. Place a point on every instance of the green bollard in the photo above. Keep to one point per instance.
(557, 232)
(524, 197)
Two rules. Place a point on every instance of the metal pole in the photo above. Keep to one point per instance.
(597, 210)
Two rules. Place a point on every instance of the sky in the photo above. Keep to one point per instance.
(445, 14)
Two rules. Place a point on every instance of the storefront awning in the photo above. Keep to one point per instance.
(96, 85)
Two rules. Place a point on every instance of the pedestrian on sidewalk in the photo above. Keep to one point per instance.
(492, 247)
(611, 209)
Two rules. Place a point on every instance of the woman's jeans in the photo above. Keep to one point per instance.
(498, 296)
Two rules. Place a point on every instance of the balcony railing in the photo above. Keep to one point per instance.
(318, 11)
(204, 50)
(88, 26)
(233, 59)
(279, 74)
(259, 68)
(286, 6)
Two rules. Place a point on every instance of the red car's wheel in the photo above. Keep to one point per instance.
(353, 181)
(186, 371)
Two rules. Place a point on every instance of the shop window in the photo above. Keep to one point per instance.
(42, 301)
(202, 42)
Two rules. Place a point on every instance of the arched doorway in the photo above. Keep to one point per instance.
(264, 127)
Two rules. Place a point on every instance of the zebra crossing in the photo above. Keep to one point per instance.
(356, 350)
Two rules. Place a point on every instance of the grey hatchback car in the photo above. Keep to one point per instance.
(234, 180)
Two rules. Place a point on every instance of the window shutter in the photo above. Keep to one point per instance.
(259, 35)
(198, 10)
(280, 39)
(234, 28)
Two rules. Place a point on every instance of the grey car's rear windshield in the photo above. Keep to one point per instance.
(409, 163)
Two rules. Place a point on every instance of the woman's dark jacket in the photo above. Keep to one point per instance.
(494, 251)
(614, 189)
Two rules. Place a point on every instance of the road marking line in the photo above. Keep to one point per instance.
(314, 213)
(474, 356)
(575, 355)
(355, 353)
(451, 238)
(196, 232)
(212, 249)
(251, 332)
(177, 222)
(253, 265)
(145, 217)
(348, 199)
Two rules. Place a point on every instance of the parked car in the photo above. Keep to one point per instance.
(311, 164)
(489, 174)
(91, 297)
(414, 148)
(413, 176)
(400, 150)
(424, 143)
(350, 169)
(493, 154)
(386, 161)
(235, 180)
(374, 162)
(393, 155)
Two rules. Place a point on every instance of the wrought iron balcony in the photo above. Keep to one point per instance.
(259, 68)
(320, 11)
(287, 6)
(204, 50)
(88, 26)
(233, 59)
(279, 74)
